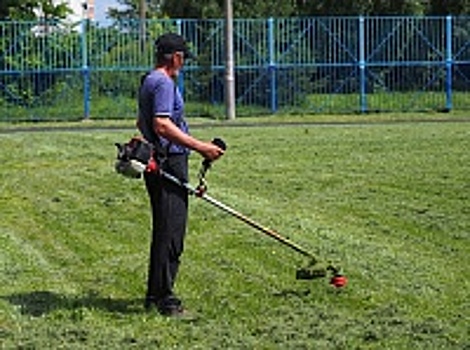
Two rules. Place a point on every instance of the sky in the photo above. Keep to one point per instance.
(101, 6)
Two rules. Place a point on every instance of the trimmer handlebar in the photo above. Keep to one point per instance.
(206, 164)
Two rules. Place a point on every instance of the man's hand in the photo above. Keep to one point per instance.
(210, 151)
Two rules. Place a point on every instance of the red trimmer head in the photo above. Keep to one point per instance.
(338, 281)
(315, 270)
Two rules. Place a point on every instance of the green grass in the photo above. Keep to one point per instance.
(196, 122)
(69, 107)
(389, 202)
(381, 101)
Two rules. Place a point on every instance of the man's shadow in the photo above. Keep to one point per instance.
(38, 303)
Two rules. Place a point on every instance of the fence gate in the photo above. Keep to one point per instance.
(406, 63)
(460, 46)
(316, 60)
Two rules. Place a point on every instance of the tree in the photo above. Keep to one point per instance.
(50, 11)
(205, 9)
(264, 8)
(193, 9)
(361, 7)
(18, 9)
(332, 7)
(449, 7)
(397, 7)
(29, 9)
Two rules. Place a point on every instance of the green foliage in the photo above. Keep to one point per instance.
(37, 60)
(455, 7)
(17, 9)
(53, 10)
(27, 9)
(271, 8)
(388, 201)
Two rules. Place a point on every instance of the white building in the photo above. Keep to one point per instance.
(81, 9)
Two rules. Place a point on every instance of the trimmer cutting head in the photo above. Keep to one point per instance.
(310, 272)
(314, 270)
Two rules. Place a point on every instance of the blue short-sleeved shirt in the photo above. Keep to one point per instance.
(159, 96)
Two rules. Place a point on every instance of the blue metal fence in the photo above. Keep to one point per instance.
(283, 65)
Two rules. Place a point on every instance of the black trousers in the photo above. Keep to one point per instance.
(169, 205)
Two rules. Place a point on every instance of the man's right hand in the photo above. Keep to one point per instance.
(210, 151)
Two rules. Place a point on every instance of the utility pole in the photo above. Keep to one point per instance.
(229, 63)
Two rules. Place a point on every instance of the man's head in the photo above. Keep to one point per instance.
(171, 50)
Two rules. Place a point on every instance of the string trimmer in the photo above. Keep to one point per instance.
(136, 157)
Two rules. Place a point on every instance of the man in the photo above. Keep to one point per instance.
(161, 122)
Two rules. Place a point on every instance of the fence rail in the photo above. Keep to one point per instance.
(283, 65)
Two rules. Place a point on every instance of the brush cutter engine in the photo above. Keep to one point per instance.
(134, 158)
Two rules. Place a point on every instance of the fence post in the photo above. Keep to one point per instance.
(272, 65)
(362, 66)
(85, 71)
(449, 64)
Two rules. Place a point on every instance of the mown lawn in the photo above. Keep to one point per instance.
(389, 202)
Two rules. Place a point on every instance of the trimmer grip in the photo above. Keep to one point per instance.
(206, 163)
(220, 143)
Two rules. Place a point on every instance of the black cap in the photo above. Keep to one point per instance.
(170, 43)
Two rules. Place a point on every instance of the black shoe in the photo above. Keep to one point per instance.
(169, 305)
(171, 310)
(172, 307)
(166, 305)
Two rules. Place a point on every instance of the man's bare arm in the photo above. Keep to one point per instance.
(163, 126)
